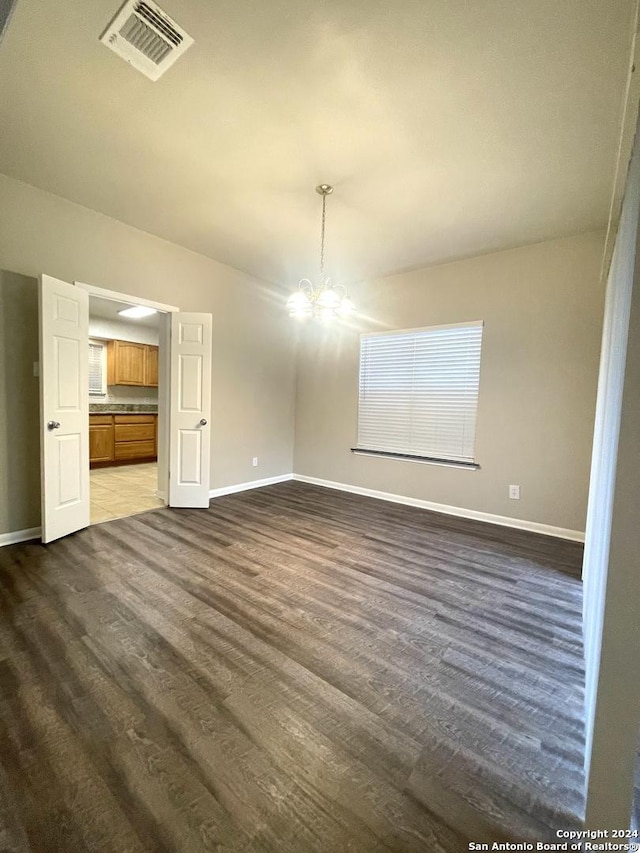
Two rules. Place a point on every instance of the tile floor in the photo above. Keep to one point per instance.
(124, 490)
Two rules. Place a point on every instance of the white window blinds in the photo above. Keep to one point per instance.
(419, 392)
(97, 378)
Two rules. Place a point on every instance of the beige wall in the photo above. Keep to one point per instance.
(253, 345)
(542, 306)
(19, 408)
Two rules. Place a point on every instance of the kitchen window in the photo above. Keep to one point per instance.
(418, 394)
(97, 369)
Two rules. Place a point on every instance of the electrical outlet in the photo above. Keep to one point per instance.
(514, 493)
(255, 462)
(36, 369)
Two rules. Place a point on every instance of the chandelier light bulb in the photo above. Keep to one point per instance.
(328, 298)
(346, 308)
(299, 305)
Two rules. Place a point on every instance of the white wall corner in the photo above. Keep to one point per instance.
(253, 484)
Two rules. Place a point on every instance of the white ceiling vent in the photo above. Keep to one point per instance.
(146, 37)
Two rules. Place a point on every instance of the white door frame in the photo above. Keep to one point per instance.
(115, 296)
(164, 372)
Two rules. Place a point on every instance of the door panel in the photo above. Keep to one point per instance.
(64, 407)
(190, 456)
(190, 430)
(67, 388)
(69, 451)
(190, 383)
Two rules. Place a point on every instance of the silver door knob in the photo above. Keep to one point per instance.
(203, 422)
(53, 425)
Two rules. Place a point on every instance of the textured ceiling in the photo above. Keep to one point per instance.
(448, 128)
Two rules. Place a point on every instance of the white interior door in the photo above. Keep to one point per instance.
(64, 408)
(190, 410)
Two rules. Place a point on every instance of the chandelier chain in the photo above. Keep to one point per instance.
(324, 207)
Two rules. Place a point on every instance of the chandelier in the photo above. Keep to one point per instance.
(323, 300)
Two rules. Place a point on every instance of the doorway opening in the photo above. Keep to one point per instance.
(182, 430)
(125, 385)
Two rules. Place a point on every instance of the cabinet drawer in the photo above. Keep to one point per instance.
(100, 420)
(135, 449)
(135, 419)
(135, 432)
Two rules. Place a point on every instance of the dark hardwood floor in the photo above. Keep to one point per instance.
(293, 670)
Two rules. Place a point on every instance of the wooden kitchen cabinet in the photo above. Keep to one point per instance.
(101, 438)
(135, 437)
(121, 439)
(132, 364)
(151, 367)
(125, 363)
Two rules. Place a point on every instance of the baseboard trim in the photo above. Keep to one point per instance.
(476, 515)
(19, 536)
(253, 484)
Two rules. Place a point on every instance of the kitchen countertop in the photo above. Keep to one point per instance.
(123, 409)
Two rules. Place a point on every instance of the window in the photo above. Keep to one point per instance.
(97, 369)
(419, 393)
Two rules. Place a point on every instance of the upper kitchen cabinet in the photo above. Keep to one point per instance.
(125, 363)
(132, 364)
(151, 367)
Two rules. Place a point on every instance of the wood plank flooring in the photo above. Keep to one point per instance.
(292, 670)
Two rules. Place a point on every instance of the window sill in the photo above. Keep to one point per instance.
(424, 460)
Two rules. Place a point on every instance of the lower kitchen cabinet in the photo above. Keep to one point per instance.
(123, 438)
(101, 438)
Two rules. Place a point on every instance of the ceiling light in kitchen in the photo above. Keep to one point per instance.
(137, 311)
